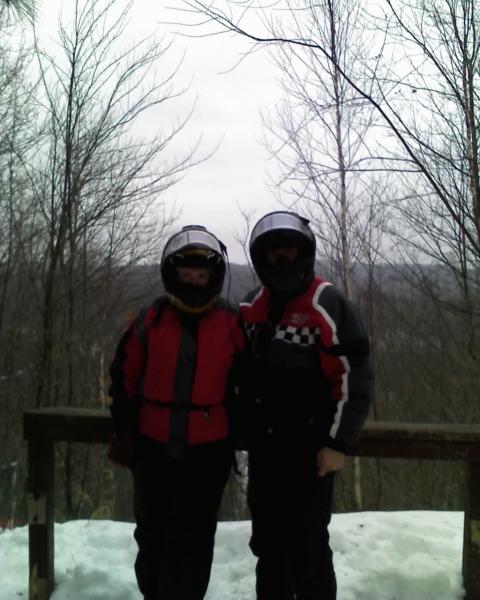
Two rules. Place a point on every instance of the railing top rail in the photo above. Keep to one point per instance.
(431, 431)
(62, 423)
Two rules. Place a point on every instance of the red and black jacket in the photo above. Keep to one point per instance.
(309, 375)
(168, 362)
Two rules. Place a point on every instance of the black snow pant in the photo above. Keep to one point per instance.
(176, 505)
(291, 509)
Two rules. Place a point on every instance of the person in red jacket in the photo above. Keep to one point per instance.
(170, 387)
(306, 388)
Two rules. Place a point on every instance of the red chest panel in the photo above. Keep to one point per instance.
(218, 339)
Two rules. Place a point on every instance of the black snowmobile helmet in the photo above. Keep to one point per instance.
(193, 246)
(283, 229)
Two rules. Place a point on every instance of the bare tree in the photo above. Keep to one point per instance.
(242, 237)
(444, 37)
(85, 212)
(420, 80)
(22, 8)
(94, 172)
(321, 134)
(17, 133)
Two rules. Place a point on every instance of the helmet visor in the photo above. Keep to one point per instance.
(281, 221)
(192, 238)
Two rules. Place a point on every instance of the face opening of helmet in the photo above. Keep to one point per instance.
(281, 245)
(282, 254)
(198, 276)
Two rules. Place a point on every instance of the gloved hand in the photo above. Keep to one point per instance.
(120, 449)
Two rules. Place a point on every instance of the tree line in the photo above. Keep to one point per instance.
(81, 206)
(376, 141)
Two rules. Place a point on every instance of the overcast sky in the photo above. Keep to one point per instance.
(228, 101)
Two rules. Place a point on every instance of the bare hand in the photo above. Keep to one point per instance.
(329, 460)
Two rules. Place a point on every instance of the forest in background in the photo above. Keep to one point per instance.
(384, 165)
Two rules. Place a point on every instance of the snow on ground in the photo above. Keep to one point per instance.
(378, 556)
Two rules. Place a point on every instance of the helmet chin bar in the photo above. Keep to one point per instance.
(192, 310)
(288, 281)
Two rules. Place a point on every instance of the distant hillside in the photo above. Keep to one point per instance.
(145, 283)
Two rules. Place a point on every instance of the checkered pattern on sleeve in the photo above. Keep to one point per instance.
(303, 336)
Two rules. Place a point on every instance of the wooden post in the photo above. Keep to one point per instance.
(40, 518)
(471, 533)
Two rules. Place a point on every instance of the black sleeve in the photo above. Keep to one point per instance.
(352, 375)
(126, 371)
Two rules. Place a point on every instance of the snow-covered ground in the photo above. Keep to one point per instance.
(378, 556)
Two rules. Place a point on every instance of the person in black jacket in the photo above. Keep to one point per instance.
(306, 388)
(170, 383)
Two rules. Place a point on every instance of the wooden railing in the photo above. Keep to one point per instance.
(44, 427)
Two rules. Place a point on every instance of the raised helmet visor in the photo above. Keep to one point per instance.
(197, 238)
(284, 221)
